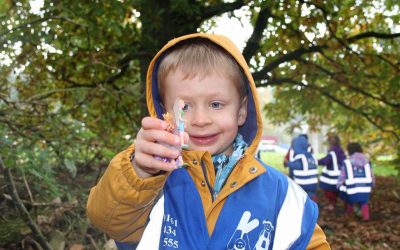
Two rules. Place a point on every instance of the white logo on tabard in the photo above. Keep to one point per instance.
(265, 236)
(240, 238)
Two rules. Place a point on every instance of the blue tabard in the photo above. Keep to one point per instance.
(184, 225)
(358, 184)
(250, 219)
(269, 212)
(307, 176)
(329, 177)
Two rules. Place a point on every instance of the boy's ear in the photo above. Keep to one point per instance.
(242, 112)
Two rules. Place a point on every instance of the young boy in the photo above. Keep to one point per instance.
(223, 198)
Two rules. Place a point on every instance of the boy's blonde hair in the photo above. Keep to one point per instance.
(199, 58)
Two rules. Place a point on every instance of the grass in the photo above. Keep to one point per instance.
(382, 167)
(273, 159)
(385, 168)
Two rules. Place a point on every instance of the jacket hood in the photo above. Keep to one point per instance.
(300, 145)
(251, 130)
(358, 159)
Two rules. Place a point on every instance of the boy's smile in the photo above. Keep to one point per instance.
(213, 109)
(204, 139)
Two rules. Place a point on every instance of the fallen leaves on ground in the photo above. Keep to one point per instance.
(382, 231)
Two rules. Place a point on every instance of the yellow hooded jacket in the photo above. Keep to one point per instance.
(121, 202)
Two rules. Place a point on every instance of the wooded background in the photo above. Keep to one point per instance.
(72, 76)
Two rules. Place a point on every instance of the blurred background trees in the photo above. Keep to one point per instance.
(72, 74)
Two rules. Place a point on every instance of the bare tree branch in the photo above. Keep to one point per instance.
(294, 55)
(277, 82)
(253, 44)
(371, 34)
(352, 87)
(357, 111)
(216, 10)
(298, 53)
(386, 60)
(21, 207)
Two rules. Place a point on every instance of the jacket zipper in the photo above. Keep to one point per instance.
(241, 157)
(203, 168)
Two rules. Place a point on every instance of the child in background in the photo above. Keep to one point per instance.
(333, 163)
(290, 154)
(223, 197)
(303, 167)
(356, 180)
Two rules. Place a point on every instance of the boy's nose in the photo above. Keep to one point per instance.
(200, 117)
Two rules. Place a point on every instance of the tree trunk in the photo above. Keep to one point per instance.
(161, 22)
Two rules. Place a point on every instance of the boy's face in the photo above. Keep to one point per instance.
(213, 110)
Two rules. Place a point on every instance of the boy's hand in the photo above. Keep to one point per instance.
(148, 144)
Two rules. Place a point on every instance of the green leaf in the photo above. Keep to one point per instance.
(70, 165)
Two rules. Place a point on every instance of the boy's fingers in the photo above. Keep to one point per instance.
(153, 123)
(160, 136)
(150, 148)
(151, 165)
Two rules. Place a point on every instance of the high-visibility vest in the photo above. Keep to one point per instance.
(358, 183)
(269, 212)
(329, 177)
(307, 176)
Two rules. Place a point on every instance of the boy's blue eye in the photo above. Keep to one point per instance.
(185, 107)
(216, 105)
